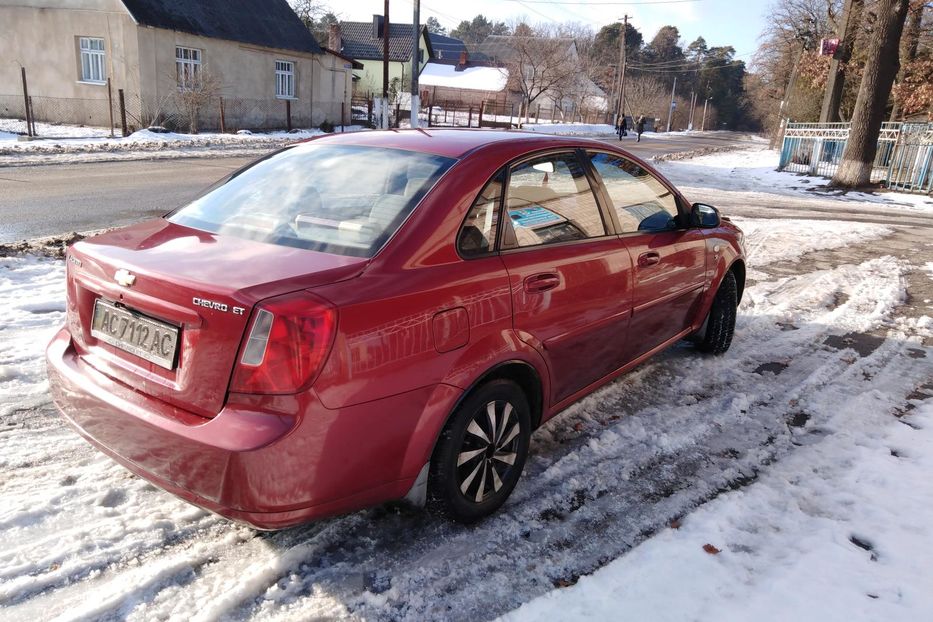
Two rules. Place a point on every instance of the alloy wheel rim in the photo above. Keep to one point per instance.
(487, 456)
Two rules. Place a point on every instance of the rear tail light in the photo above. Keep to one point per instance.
(286, 345)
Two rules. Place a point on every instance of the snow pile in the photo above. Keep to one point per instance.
(471, 78)
(144, 144)
(10, 128)
(32, 292)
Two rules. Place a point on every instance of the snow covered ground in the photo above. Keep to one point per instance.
(839, 530)
(753, 171)
(780, 454)
(65, 143)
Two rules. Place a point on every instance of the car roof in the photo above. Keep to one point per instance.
(451, 143)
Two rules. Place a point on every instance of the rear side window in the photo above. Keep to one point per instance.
(478, 234)
(549, 200)
(640, 200)
(346, 200)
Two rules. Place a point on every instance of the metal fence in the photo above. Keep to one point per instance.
(218, 113)
(902, 161)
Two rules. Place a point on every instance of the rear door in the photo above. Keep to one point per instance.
(669, 257)
(570, 277)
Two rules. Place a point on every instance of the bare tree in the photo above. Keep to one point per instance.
(540, 63)
(645, 96)
(880, 69)
(792, 25)
(154, 111)
(194, 93)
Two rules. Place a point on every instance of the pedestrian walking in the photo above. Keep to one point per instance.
(640, 127)
(622, 127)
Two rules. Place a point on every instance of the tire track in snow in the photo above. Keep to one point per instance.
(698, 460)
(604, 475)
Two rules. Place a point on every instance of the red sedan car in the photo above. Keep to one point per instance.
(384, 315)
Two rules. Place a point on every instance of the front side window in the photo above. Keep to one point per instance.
(346, 200)
(92, 60)
(549, 200)
(478, 234)
(640, 200)
(187, 67)
(284, 79)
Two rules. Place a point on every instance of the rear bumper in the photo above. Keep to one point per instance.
(270, 462)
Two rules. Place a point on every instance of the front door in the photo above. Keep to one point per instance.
(570, 279)
(669, 259)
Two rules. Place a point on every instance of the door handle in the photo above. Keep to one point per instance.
(649, 259)
(537, 283)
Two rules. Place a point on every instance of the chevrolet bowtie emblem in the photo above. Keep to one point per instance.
(124, 278)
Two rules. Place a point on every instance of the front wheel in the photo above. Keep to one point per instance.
(481, 452)
(716, 335)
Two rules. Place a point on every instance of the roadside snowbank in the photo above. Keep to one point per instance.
(73, 143)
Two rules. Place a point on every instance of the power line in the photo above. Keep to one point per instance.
(732, 64)
(534, 10)
(684, 64)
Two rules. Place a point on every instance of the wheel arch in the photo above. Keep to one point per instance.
(522, 373)
(738, 269)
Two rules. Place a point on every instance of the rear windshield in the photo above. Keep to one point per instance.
(346, 200)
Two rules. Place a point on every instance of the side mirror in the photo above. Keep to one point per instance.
(704, 216)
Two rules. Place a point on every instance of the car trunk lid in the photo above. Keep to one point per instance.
(204, 284)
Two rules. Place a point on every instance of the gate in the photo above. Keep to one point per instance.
(904, 160)
(910, 166)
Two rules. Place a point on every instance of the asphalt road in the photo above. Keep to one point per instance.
(38, 201)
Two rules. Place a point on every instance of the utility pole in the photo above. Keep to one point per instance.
(705, 104)
(670, 109)
(693, 108)
(836, 79)
(415, 64)
(385, 68)
(620, 110)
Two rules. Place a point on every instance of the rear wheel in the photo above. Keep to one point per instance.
(481, 452)
(716, 335)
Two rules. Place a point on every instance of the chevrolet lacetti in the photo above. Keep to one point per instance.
(383, 315)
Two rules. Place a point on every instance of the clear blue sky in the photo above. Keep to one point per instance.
(721, 22)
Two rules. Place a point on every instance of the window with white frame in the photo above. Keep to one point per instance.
(92, 60)
(284, 79)
(187, 66)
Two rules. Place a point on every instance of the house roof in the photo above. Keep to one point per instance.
(269, 23)
(446, 48)
(358, 41)
(475, 78)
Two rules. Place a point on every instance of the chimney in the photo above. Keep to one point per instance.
(377, 26)
(333, 38)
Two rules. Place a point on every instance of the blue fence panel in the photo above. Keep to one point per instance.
(903, 160)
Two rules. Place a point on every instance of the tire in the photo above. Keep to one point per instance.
(487, 472)
(716, 335)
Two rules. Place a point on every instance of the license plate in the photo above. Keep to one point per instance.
(135, 333)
